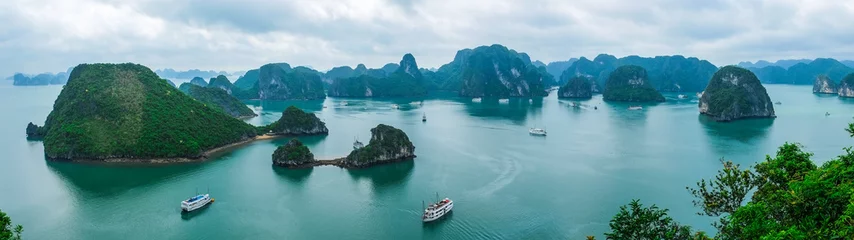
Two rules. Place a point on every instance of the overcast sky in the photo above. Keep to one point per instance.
(41, 36)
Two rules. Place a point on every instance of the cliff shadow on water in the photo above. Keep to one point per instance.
(745, 131)
(111, 180)
(385, 176)
(279, 106)
(514, 109)
(298, 175)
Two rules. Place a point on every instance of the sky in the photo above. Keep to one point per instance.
(53, 35)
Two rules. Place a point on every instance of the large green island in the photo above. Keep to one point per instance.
(630, 83)
(126, 113)
(735, 93)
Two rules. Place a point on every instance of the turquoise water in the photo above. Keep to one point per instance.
(506, 184)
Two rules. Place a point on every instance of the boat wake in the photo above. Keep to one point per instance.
(507, 172)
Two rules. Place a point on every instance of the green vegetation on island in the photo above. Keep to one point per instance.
(295, 121)
(735, 93)
(388, 144)
(576, 87)
(218, 99)
(630, 83)
(790, 198)
(125, 111)
(493, 71)
(278, 81)
(405, 81)
(7, 230)
(666, 73)
(292, 154)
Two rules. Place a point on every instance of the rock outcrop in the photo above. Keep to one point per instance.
(388, 144)
(277, 83)
(576, 87)
(735, 93)
(630, 83)
(823, 84)
(405, 81)
(846, 87)
(34, 131)
(297, 122)
(221, 82)
(496, 71)
(293, 154)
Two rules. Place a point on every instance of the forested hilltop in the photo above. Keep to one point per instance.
(802, 72)
(125, 111)
(492, 71)
(666, 73)
(218, 99)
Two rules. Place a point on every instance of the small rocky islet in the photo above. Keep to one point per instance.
(630, 83)
(387, 145)
(735, 93)
(824, 85)
(846, 87)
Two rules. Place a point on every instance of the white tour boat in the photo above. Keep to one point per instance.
(395, 106)
(537, 131)
(423, 117)
(437, 210)
(504, 100)
(476, 99)
(635, 108)
(682, 96)
(196, 202)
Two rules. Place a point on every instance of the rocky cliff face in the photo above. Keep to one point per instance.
(221, 82)
(388, 144)
(846, 88)
(199, 81)
(577, 87)
(735, 93)
(630, 83)
(296, 122)
(405, 81)
(292, 154)
(277, 83)
(493, 71)
(823, 84)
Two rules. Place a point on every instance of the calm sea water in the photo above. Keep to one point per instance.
(506, 184)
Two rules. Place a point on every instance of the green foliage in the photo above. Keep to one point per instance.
(248, 80)
(217, 99)
(387, 144)
(7, 231)
(199, 81)
(221, 82)
(292, 153)
(495, 71)
(726, 193)
(294, 121)
(126, 111)
(630, 83)
(34, 131)
(634, 221)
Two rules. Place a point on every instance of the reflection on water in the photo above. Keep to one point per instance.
(280, 106)
(292, 175)
(187, 216)
(386, 176)
(110, 180)
(744, 130)
(514, 109)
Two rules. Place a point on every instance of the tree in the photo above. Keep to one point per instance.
(723, 195)
(7, 232)
(634, 221)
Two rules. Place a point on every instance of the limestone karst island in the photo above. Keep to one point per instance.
(345, 119)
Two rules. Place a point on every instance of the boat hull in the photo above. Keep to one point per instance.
(201, 203)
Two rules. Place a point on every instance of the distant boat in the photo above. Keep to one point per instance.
(415, 103)
(196, 202)
(699, 94)
(423, 117)
(504, 100)
(344, 103)
(476, 99)
(595, 108)
(395, 106)
(826, 114)
(537, 131)
(682, 96)
(574, 104)
(635, 108)
(357, 144)
(436, 210)
(778, 103)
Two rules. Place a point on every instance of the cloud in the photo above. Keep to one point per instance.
(43, 35)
